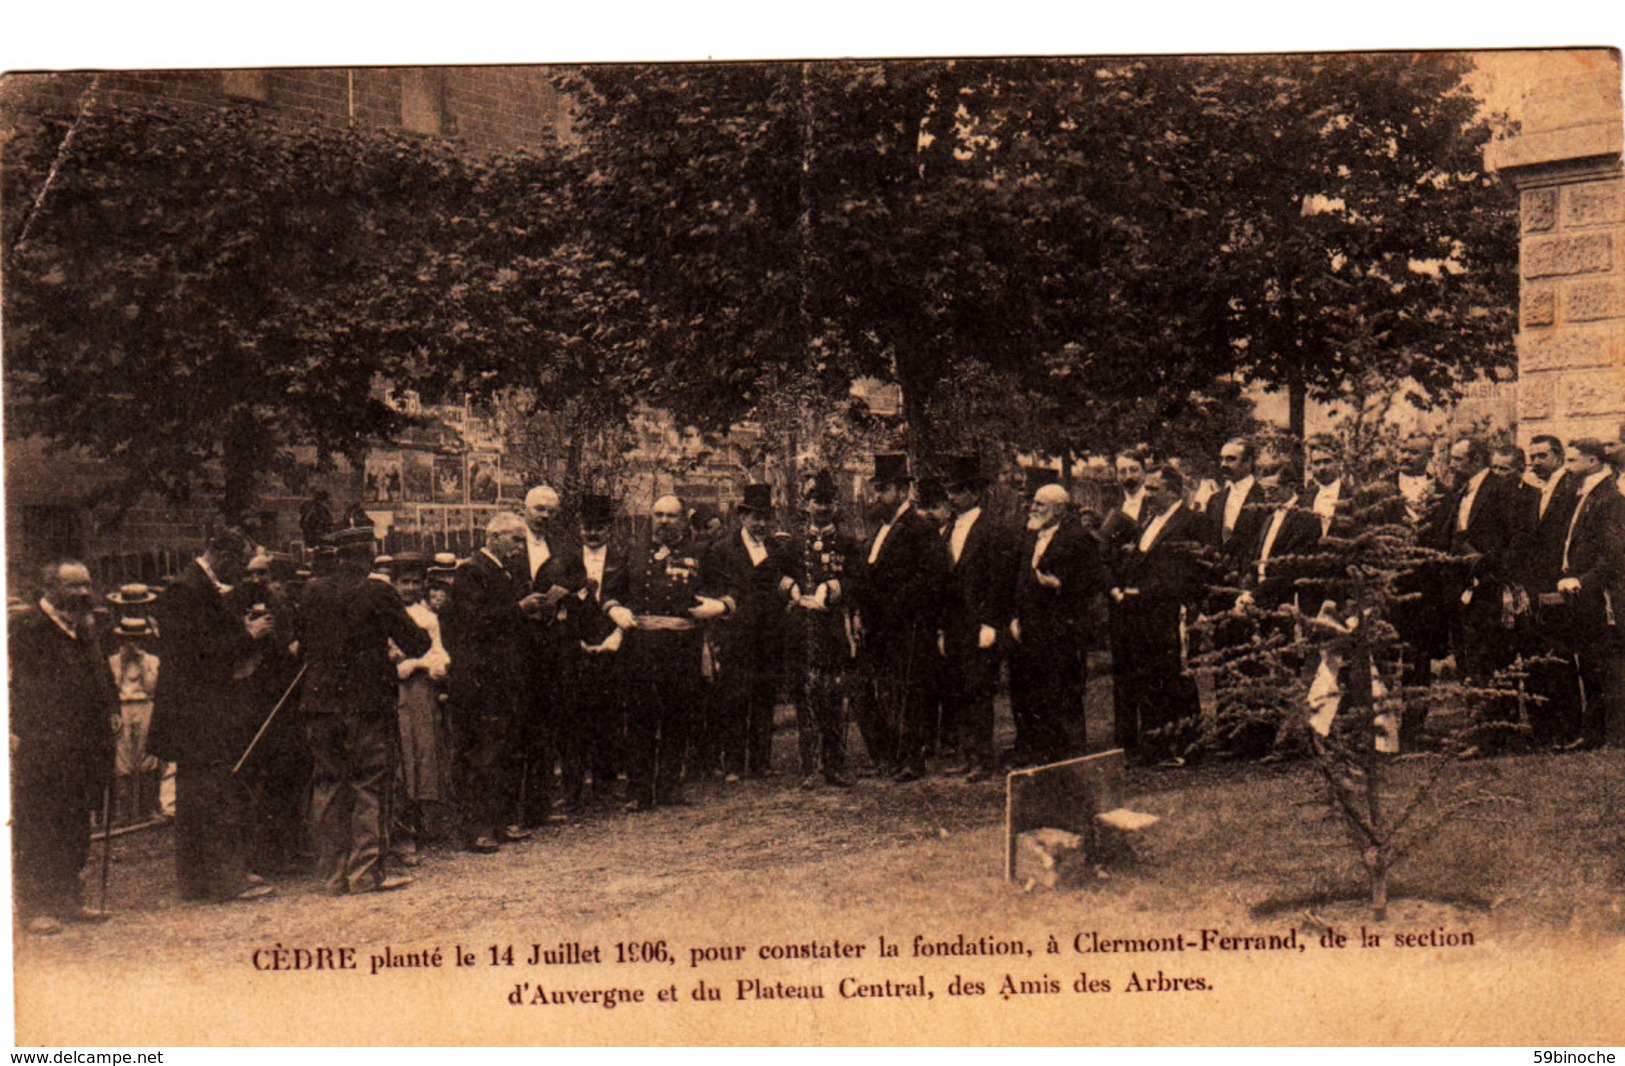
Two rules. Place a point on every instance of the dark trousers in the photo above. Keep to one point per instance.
(278, 784)
(821, 720)
(751, 663)
(1151, 692)
(1602, 681)
(50, 838)
(662, 670)
(212, 831)
(1046, 698)
(544, 708)
(971, 677)
(350, 795)
(484, 736)
(590, 737)
(895, 714)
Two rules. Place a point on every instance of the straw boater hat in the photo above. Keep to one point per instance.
(410, 562)
(131, 596)
(129, 627)
(442, 569)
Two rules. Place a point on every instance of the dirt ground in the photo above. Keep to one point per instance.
(1241, 849)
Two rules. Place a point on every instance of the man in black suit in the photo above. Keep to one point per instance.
(351, 694)
(1548, 498)
(1052, 578)
(64, 718)
(820, 655)
(1481, 513)
(660, 600)
(593, 735)
(754, 565)
(555, 576)
(1158, 578)
(976, 607)
(201, 720)
(486, 633)
(1234, 514)
(906, 564)
(1593, 588)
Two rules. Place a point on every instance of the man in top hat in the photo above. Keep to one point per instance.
(203, 721)
(660, 600)
(486, 634)
(906, 564)
(977, 607)
(593, 736)
(552, 567)
(753, 565)
(827, 561)
(1593, 591)
(64, 713)
(348, 621)
(941, 727)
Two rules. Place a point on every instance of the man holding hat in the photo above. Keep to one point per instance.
(593, 734)
(906, 565)
(826, 561)
(753, 565)
(977, 606)
(349, 705)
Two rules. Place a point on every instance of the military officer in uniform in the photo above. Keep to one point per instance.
(659, 602)
(820, 636)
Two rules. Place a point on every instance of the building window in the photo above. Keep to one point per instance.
(422, 100)
(246, 84)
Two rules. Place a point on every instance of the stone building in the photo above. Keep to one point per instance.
(1566, 165)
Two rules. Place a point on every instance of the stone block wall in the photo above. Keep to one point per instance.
(1566, 165)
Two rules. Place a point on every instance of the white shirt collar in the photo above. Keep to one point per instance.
(63, 622)
(208, 572)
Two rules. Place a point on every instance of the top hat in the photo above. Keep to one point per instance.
(130, 626)
(891, 468)
(131, 595)
(964, 472)
(758, 499)
(823, 488)
(597, 510)
(930, 492)
(1039, 476)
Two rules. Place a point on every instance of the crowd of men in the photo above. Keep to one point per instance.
(335, 719)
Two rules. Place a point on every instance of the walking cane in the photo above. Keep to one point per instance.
(107, 842)
(300, 676)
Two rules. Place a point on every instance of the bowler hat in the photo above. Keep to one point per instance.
(758, 499)
(597, 510)
(964, 472)
(131, 596)
(891, 468)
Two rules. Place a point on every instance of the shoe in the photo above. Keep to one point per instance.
(730, 779)
(1171, 764)
(44, 925)
(484, 846)
(978, 773)
(253, 892)
(1472, 752)
(390, 883)
(838, 780)
(88, 915)
(906, 774)
(959, 769)
(633, 806)
(515, 833)
(411, 860)
(809, 783)
(255, 879)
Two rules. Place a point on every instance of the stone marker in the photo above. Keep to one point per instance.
(1063, 795)
(1116, 832)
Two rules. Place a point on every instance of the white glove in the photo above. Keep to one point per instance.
(406, 667)
(707, 609)
(1568, 586)
(1049, 581)
(834, 586)
(1015, 630)
(622, 617)
(985, 637)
